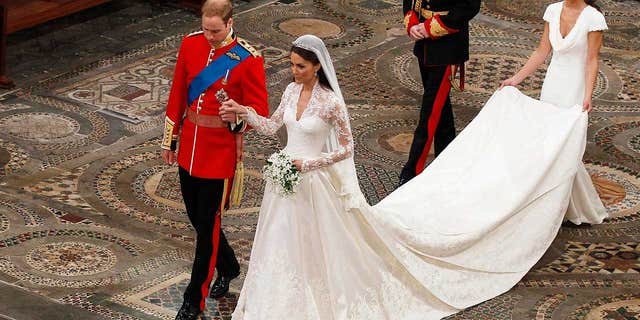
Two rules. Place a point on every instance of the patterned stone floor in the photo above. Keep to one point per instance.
(91, 219)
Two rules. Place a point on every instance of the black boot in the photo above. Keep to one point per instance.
(220, 287)
(188, 311)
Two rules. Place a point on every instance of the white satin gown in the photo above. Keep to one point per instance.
(466, 230)
(564, 86)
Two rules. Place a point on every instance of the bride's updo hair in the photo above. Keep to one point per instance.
(593, 4)
(311, 57)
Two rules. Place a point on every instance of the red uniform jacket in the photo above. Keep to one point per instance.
(211, 152)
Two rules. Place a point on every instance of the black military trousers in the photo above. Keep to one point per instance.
(203, 197)
(436, 120)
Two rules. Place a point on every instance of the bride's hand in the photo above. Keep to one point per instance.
(232, 107)
(510, 82)
(586, 105)
(298, 164)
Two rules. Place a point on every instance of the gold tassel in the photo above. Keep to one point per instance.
(224, 196)
(238, 185)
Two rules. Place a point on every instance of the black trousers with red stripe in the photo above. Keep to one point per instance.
(434, 79)
(203, 197)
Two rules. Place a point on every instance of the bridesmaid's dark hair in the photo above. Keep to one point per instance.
(593, 4)
(311, 57)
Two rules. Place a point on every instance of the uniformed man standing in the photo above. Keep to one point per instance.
(440, 29)
(213, 65)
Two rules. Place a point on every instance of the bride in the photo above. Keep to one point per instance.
(464, 231)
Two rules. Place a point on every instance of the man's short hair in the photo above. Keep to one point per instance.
(218, 8)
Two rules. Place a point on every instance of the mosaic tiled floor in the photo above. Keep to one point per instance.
(91, 219)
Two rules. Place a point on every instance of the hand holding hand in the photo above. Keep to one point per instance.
(168, 156)
(229, 109)
(418, 32)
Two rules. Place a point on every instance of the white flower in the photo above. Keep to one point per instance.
(281, 174)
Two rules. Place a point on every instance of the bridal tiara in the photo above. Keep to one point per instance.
(312, 43)
(301, 45)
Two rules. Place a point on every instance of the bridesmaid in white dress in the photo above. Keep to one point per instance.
(573, 32)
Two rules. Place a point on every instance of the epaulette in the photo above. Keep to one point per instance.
(194, 33)
(249, 48)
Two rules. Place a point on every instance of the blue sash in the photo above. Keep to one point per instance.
(216, 70)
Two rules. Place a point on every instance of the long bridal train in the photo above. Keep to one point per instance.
(486, 210)
(464, 231)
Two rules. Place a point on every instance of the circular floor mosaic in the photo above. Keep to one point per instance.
(621, 307)
(619, 190)
(159, 186)
(106, 189)
(39, 126)
(56, 137)
(384, 141)
(299, 26)
(485, 72)
(26, 214)
(545, 307)
(606, 137)
(17, 157)
(406, 71)
(71, 259)
(625, 309)
(397, 142)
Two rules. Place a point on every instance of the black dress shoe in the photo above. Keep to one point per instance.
(220, 287)
(188, 311)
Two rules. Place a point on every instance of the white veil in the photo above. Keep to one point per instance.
(343, 172)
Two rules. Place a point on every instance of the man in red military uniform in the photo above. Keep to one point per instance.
(440, 29)
(213, 65)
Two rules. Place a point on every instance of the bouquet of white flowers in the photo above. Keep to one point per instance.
(281, 173)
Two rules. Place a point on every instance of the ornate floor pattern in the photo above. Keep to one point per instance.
(91, 218)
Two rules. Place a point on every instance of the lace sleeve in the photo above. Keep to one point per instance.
(268, 126)
(339, 118)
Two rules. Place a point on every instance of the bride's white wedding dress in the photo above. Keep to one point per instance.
(464, 231)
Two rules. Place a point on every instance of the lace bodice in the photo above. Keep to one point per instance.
(307, 136)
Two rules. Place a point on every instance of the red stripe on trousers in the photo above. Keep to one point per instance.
(434, 118)
(215, 241)
(212, 261)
